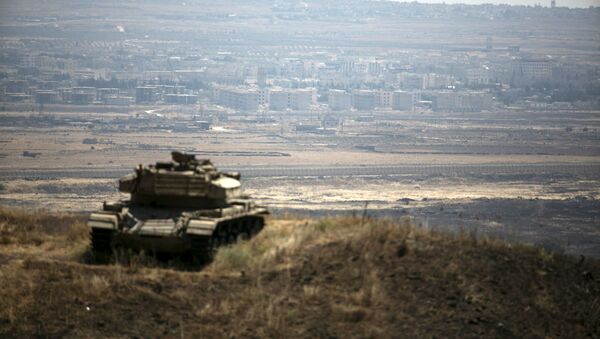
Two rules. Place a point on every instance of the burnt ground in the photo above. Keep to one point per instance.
(341, 277)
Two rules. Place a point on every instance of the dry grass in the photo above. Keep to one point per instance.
(27, 227)
(355, 277)
(277, 247)
(341, 267)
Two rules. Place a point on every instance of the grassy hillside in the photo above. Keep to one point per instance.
(343, 277)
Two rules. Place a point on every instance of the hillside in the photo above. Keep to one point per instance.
(333, 277)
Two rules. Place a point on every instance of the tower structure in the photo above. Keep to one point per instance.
(261, 77)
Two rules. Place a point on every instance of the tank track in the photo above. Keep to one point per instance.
(102, 240)
(202, 249)
(226, 232)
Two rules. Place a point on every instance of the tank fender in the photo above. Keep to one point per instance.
(103, 220)
(201, 227)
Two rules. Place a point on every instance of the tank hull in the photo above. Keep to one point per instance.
(192, 233)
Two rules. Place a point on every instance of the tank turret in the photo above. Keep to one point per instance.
(183, 182)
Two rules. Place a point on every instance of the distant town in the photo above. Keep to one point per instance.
(486, 74)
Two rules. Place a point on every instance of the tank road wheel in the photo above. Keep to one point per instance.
(236, 230)
(245, 229)
(202, 249)
(215, 242)
(257, 224)
(231, 231)
(225, 233)
(101, 243)
(102, 240)
(243, 235)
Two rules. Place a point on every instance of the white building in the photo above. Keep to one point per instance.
(437, 81)
(479, 76)
(527, 71)
(279, 99)
(263, 96)
(537, 69)
(303, 98)
(296, 99)
(374, 68)
(364, 100)
(462, 101)
(243, 99)
(384, 99)
(361, 67)
(339, 100)
(403, 101)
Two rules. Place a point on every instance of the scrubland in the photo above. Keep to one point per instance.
(330, 277)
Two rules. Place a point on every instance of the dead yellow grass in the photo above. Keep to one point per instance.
(33, 227)
(277, 245)
(356, 277)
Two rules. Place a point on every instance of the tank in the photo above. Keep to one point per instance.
(182, 207)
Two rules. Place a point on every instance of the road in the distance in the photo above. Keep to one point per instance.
(585, 169)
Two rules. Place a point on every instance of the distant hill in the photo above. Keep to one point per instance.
(563, 3)
(342, 277)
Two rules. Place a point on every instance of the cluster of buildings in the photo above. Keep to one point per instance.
(16, 91)
(174, 95)
(252, 99)
(273, 98)
(364, 100)
(300, 77)
(452, 81)
(461, 101)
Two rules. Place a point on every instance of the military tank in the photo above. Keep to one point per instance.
(181, 207)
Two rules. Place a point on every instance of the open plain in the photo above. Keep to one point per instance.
(525, 176)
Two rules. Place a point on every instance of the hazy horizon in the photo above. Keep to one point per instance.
(545, 3)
